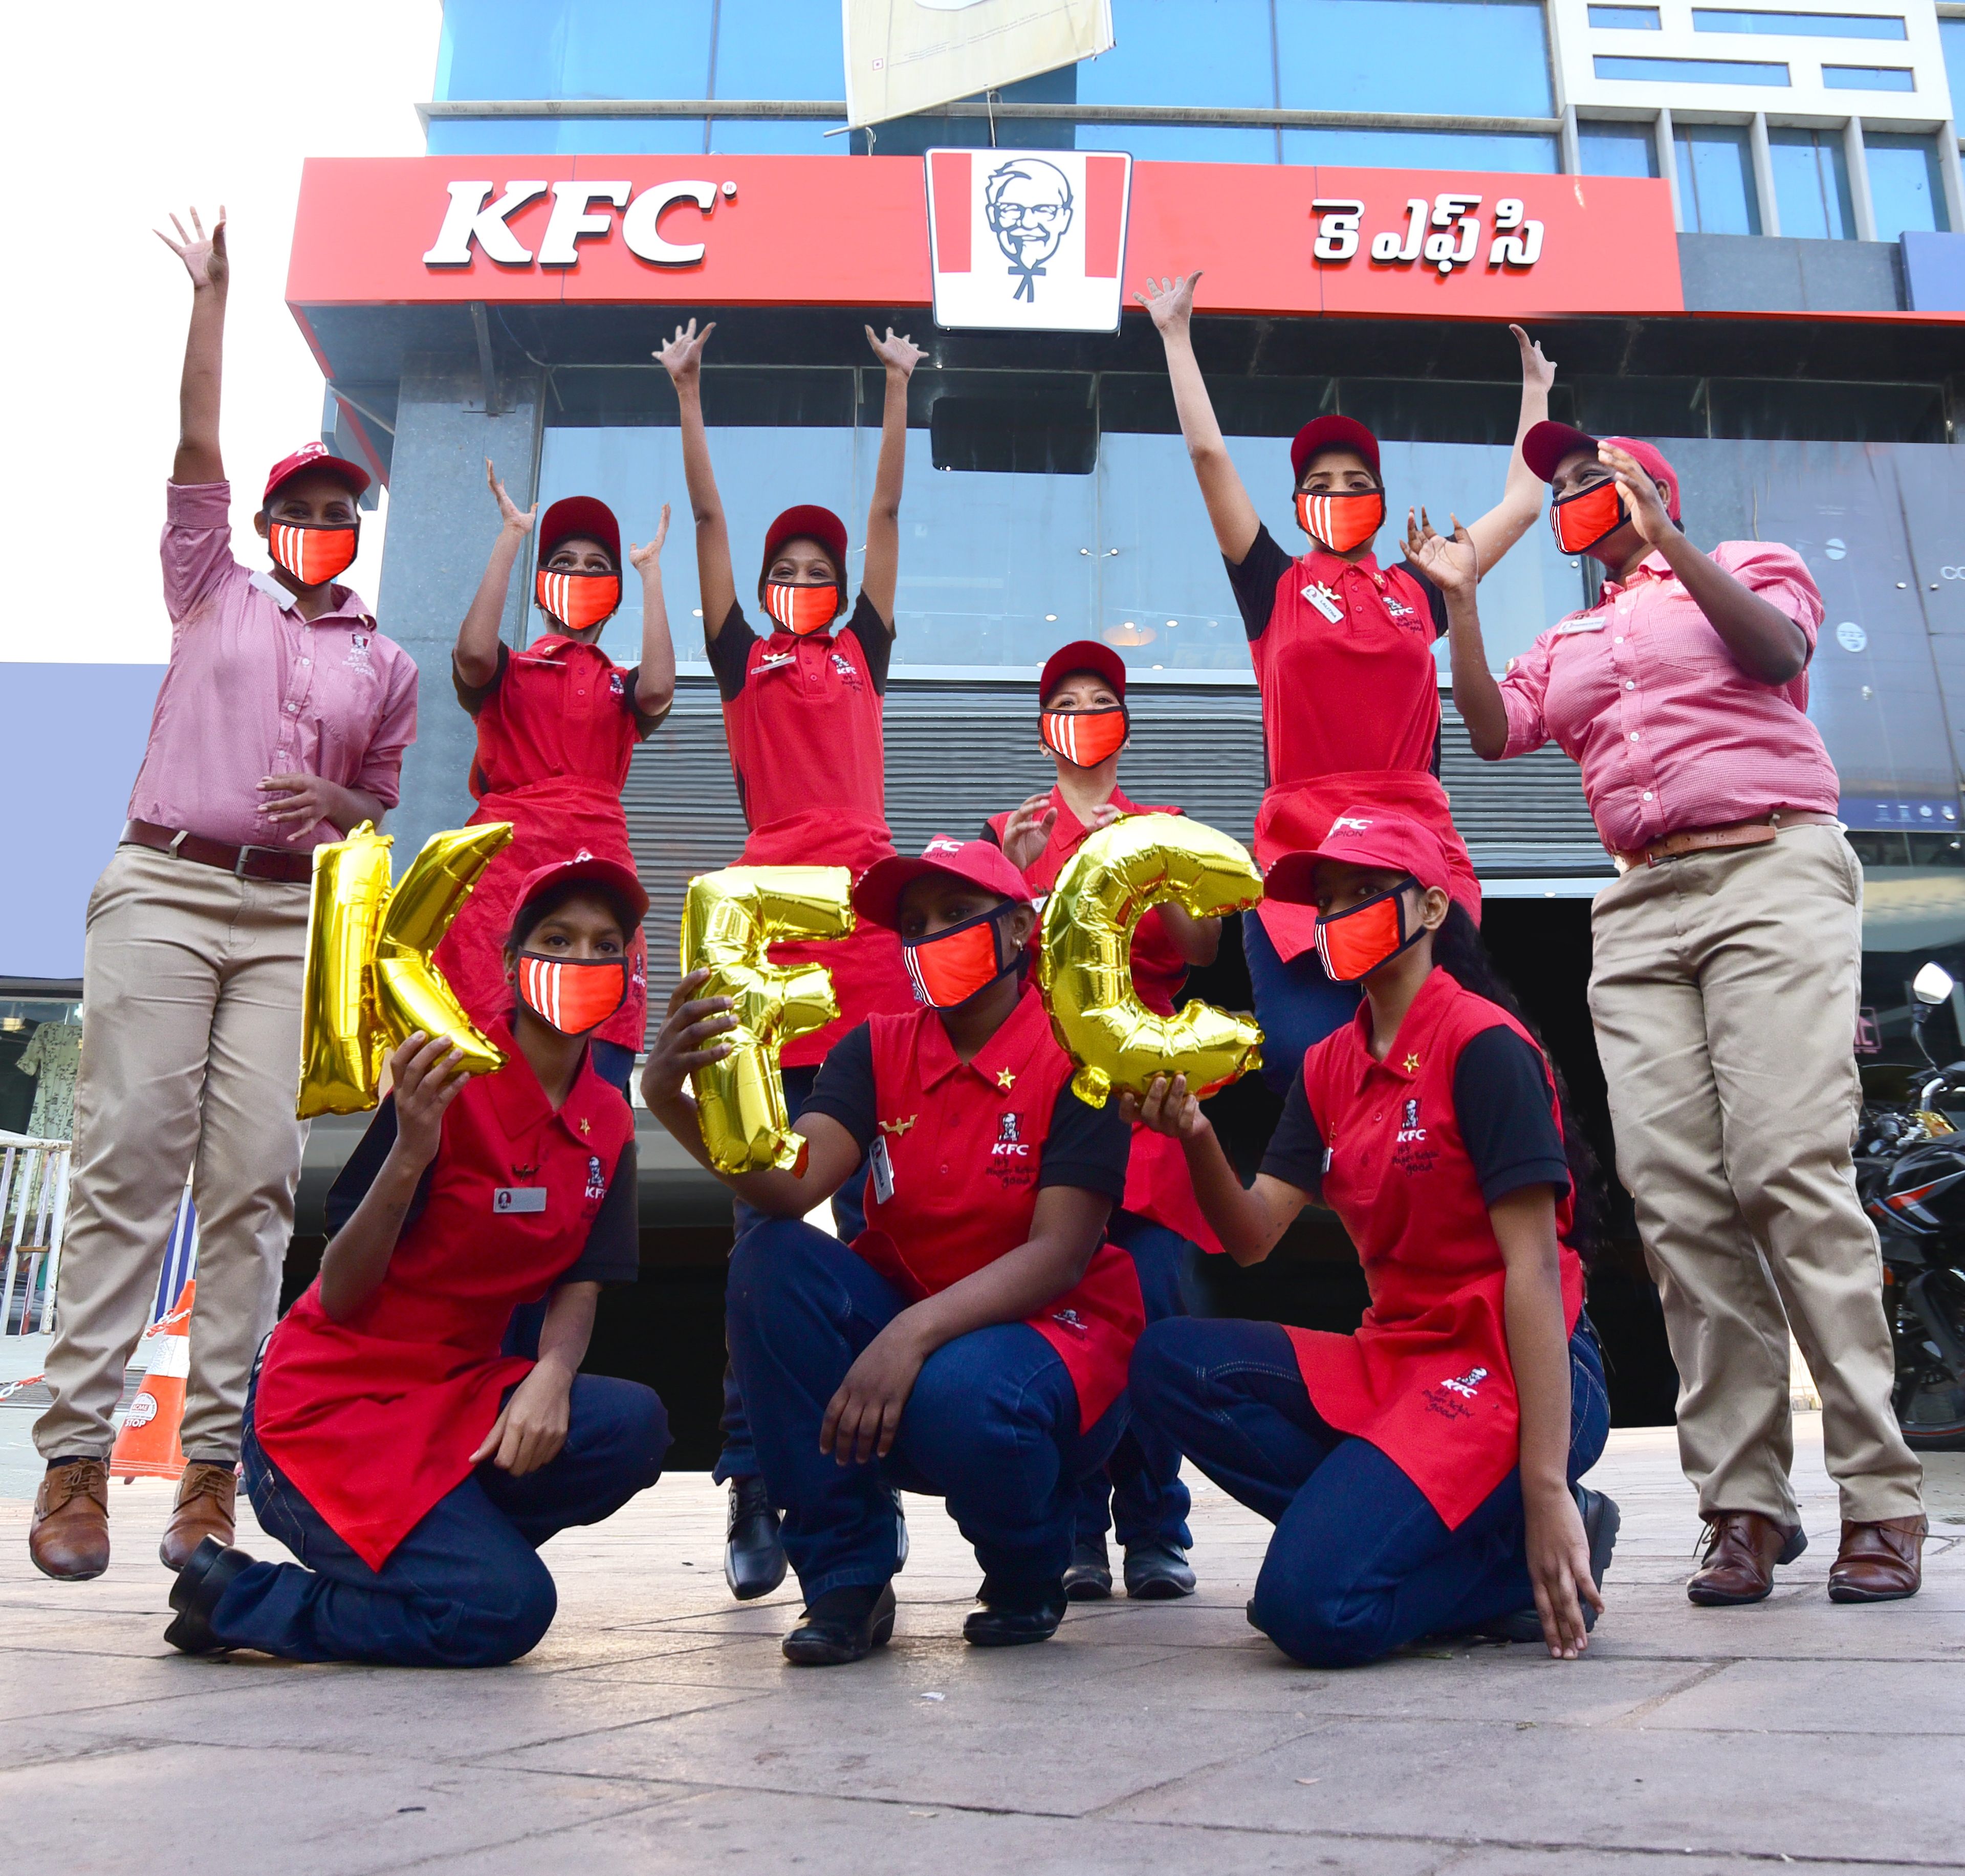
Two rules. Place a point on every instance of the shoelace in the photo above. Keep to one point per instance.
(77, 1482)
(208, 1484)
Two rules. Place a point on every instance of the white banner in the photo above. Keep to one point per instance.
(904, 56)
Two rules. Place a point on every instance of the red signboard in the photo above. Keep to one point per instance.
(840, 231)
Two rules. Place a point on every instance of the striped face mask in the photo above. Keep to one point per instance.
(576, 600)
(947, 968)
(801, 611)
(573, 995)
(1084, 738)
(312, 553)
(1341, 522)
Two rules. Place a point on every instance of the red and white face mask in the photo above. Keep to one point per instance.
(1355, 942)
(801, 611)
(1343, 521)
(573, 995)
(576, 600)
(313, 552)
(1084, 738)
(1589, 515)
(949, 968)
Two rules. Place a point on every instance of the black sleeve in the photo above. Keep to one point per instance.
(1436, 600)
(352, 1183)
(876, 642)
(845, 1089)
(730, 653)
(1254, 581)
(1086, 1147)
(645, 725)
(989, 834)
(1501, 1098)
(612, 1251)
(474, 697)
(1295, 1152)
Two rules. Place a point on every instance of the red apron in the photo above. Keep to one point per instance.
(1158, 1185)
(374, 1419)
(965, 1140)
(1426, 1378)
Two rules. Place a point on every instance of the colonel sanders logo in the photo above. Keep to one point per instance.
(1029, 205)
(1008, 1126)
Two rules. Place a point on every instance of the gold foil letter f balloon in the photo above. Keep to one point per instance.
(729, 920)
(1085, 967)
(369, 980)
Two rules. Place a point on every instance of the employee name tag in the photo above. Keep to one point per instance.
(518, 1198)
(1583, 622)
(1326, 601)
(882, 1169)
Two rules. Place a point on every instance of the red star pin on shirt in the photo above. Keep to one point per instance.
(1005, 1080)
(1412, 1064)
(587, 1127)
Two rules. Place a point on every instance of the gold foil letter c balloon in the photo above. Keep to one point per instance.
(369, 980)
(1084, 966)
(730, 919)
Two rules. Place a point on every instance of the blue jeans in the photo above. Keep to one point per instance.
(738, 1459)
(1140, 1482)
(464, 1588)
(991, 1425)
(1296, 1003)
(1360, 1564)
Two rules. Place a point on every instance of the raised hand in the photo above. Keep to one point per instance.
(1168, 1109)
(519, 520)
(899, 354)
(1027, 833)
(204, 254)
(641, 558)
(1170, 302)
(1450, 561)
(1538, 369)
(687, 1041)
(426, 1080)
(682, 356)
(1649, 514)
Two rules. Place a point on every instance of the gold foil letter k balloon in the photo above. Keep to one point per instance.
(729, 920)
(369, 980)
(1085, 967)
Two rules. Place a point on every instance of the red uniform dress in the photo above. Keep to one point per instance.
(1426, 1378)
(373, 1419)
(1350, 707)
(557, 726)
(959, 1155)
(803, 717)
(1157, 1186)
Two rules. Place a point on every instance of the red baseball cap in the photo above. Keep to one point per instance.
(1545, 445)
(1333, 433)
(584, 515)
(1362, 837)
(586, 867)
(1083, 654)
(980, 862)
(814, 523)
(315, 455)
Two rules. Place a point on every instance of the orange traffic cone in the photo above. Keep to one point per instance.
(147, 1446)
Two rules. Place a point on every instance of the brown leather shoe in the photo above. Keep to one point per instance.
(1879, 1562)
(69, 1538)
(205, 1495)
(1742, 1550)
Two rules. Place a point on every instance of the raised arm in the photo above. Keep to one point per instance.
(1171, 304)
(884, 516)
(198, 458)
(1449, 562)
(1511, 517)
(476, 654)
(682, 359)
(654, 687)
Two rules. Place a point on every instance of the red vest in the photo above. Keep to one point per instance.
(965, 1142)
(375, 1419)
(1427, 1378)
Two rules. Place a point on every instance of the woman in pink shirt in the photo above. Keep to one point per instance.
(1727, 960)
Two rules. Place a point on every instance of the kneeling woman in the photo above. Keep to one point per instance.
(973, 1340)
(1421, 1473)
(413, 1469)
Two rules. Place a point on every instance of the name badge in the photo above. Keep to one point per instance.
(881, 1168)
(1326, 601)
(1583, 622)
(520, 1198)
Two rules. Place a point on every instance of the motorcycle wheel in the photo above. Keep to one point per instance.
(1930, 1394)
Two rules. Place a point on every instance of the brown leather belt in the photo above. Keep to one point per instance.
(1755, 833)
(244, 863)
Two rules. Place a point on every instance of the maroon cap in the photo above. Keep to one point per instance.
(980, 862)
(314, 456)
(586, 867)
(1333, 433)
(581, 515)
(1083, 654)
(1362, 837)
(814, 523)
(1546, 444)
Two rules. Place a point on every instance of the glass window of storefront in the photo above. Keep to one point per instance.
(580, 48)
(1451, 56)
(1906, 186)
(1811, 169)
(1617, 149)
(1716, 179)
(1951, 34)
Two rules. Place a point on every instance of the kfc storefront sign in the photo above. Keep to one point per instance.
(1035, 241)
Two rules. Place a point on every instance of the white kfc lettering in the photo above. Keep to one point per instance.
(1448, 210)
(1387, 247)
(1337, 232)
(570, 219)
(1444, 233)
(1517, 240)
(639, 229)
(467, 220)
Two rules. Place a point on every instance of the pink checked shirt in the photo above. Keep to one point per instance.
(1670, 733)
(253, 690)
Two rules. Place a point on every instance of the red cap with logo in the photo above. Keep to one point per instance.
(1547, 444)
(585, 867)
(980, 862)
(814, 523)
(1361, 837)
(315, 455)
(1333, 433)
(1085, 655)
(581, 515)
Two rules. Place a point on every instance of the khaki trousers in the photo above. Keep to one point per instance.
(190, 1061)
(1724, 990)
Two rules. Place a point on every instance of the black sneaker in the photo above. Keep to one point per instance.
(1158, 1572)
(1015, 1614)
(843, 1625)
(753, 1551)
(1601, 1522)
(1089, 1579)
(195, 1594)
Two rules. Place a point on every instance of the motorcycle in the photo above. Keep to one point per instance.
(1910, 1171)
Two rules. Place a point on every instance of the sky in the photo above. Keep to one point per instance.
(154, 109)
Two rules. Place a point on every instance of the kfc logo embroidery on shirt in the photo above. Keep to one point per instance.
(615, 686)
(1411, 1129)
(596, 1180)
(1455, 1399)
(1411, 1152)
(1009, 1129)
(1010, 1152)
(1069, 1320)
(358, 652)
(844, 667)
